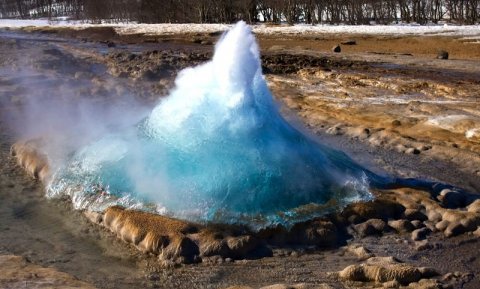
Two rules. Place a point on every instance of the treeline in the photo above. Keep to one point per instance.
(228, 11)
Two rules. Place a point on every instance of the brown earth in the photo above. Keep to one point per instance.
(17, 273)
(384, 133)
(418, 46)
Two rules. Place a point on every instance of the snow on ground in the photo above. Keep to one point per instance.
(471, 32)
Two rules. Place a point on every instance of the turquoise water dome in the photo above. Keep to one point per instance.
(216, 149)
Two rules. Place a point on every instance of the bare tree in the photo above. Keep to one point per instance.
(228, 11)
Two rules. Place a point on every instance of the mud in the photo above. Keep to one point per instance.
(312, 85)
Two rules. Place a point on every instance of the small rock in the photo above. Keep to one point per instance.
(434, 216)
(442, 225)
(415, 215)
(452, 199)
(454, 229)
(442, 54)
(382, 260)
(423, 245)
(400, 148)
(360, 252)
(337, 49)
(391, 284)
(323, 286)
(474, 207)
(424, 147)
(242, 245)
(153, 276)
(420, 234)
(277, 286)
(430, 225)
(401, 226)
(447, 277)
(370, 227)
(335, 130)
(412, 151)
(294, 254)
(94, 217)
(381, 273)
(349, 42)
(477, 232)
(425, 284)
(396, 122)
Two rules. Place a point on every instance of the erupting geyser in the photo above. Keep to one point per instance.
(216, 149)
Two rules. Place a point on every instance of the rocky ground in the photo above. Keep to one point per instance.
(393, 108)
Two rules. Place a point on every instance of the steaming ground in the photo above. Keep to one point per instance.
(47, 233)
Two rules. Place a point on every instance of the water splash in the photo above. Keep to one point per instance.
(216, 149)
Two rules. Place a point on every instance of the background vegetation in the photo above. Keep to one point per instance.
(227, 11)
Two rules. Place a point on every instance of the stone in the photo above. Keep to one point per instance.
(417, 224)
(152, 233)
(380, 208)
(420, 234)
(349, 42)
(425, 284)
(434, 216)
(153, 276)
(414, 214)
(382, 260)
(412, 151)
(452, 199)
(386, 270)
(447, 277)
(391, 284)
(180, 249)
(274, 235)
(94, 217)
(396, 122)
(477, 232)
(442, 225)
(337, 49)
(360, 252)
(297, 286)
(401, 226)
(370, 227)
(474, 207)
(30, 157)
(457, 222)
(442, 54)
(423, 245)
(428, 272)
(454, 229)
(336, 130)
(320, 232)
(402, 273)
(430, 225)
(211, 243)
(241, 246)
(277, 286)
(360, 133)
